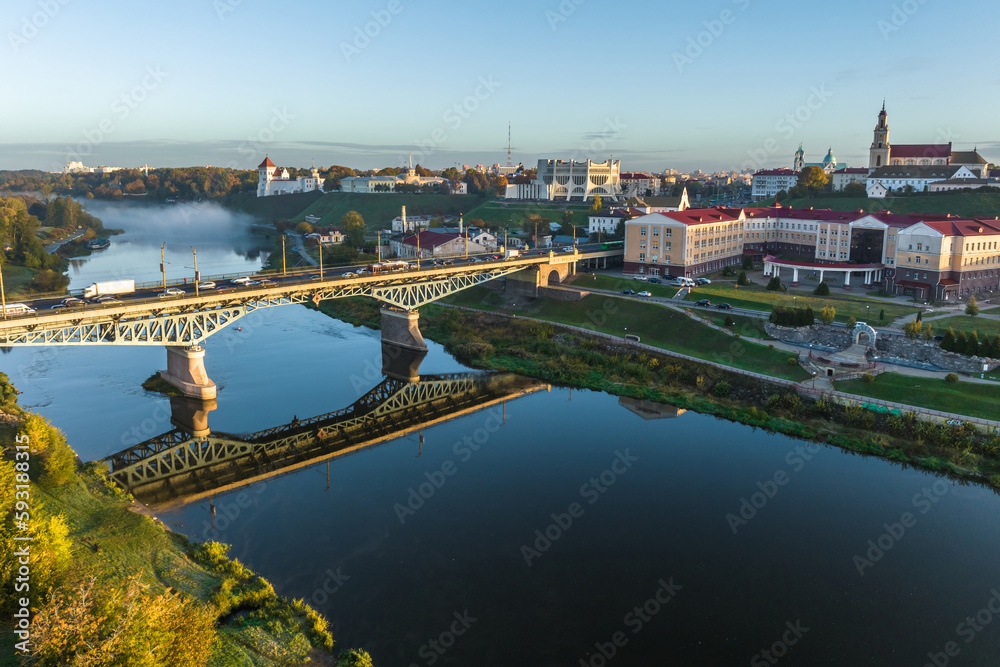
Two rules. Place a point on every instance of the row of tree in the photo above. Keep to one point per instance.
(970, 345)
(793, 317)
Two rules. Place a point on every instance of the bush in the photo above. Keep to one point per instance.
(881, 315)
(972, 308)
(822, 289)
(354, 658)
(721, 388)
(827, 314)
(951, 377)
(729, 323)
(868, 378)
(728, 272)
(774, 284)
(748, 263)
(742, 279)
(852, 322)
(793, 361)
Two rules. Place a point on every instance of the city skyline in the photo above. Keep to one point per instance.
(687, 87)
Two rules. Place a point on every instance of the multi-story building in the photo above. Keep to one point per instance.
(885, 180)
(841, 178)
(273, 180)
(570, 180)
(684, 243)
(946, 259)
(640, 184)
(767, 183)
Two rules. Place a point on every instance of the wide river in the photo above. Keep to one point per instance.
(567, 528)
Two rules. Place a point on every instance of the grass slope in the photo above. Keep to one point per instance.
(755, 297)
(967, 323)
(280, 207)
(964, 398)
(960, 203)
(654, 324)
(511, 215)
(378, 210)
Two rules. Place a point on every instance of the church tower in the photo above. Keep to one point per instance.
(800, 159)
(265, 172)
(878, 156)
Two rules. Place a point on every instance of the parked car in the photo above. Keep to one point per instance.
(703, 281)
(724, 306)
(628, 291)
(207, 285)
(705, 303)
(645, 293)
(667, 276)
(655, 281)
(643, 278)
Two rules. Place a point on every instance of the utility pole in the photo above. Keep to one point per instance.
(163, 267)
(418, 248)
(321, 259)
(284, 270)
(197, 276)
(3, 294)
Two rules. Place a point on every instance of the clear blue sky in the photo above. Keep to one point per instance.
(588, 80)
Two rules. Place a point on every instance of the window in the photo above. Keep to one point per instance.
(656, 231)
(642, 231)
(667, 232)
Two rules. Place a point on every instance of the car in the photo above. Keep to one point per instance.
(252, 282)
(655, 281)
(667, 276)
(476, 259)
(315, 276)
(644, 293)
(225, 290)
(58, 305)
(448, 262)
(72, 301)
(724, 306)
(568, 248)
(164, 295)
(642, 278)
(104, 299)
(240, 281)
(628, 291)
(207, 285)
(705, 303)
(703, 281)
(110, 299)
(173, 291)
(497, 256)
(268, 282)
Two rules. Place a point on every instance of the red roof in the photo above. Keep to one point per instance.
(432, 239)
(776, 172)
(961, 227)
(266, 163)
(703, 216)
(920, 150)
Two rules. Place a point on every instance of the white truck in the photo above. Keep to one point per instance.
(112, 287)
(512, 253)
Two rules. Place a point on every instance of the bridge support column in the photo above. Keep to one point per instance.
(191, 415)
(186, 371)
(401, 363)
(399, 328)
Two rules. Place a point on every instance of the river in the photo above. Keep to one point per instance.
(566, 528)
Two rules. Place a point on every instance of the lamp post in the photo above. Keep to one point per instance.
(379, 246)
(320, 243)
(868, 312)
(163, 267)
(197, 276)
(814, 379)
(3, 294)
(284, 269)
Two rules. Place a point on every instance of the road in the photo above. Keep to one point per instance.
(52, 247)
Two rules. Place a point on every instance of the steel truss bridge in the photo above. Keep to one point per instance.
(186, 321)
(177, 466)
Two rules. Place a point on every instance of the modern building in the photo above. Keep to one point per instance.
(684, 243)
(273, 180)
(767, 183)
(640, 184)
(569, 180)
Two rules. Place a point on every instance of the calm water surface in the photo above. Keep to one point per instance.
(557, 536)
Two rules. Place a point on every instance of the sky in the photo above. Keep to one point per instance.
(716, 85)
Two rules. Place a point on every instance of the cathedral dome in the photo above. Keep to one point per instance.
(829, 159)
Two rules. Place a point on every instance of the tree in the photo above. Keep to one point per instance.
(354, 228)
(354, 658)
(812, 180)
(972, 344)
(827, 314)
(948, 342)
(972, 308)
(597, 206)
(774, 284)
(852, 322)
(961, 343)
(913, 329)
(822, 289)
(855, 190)
(304, 228)
(747, 263)
(929, 332)
(729, 323)
(742, 279)
(881, 315)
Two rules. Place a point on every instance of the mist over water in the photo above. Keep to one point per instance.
(225, 242)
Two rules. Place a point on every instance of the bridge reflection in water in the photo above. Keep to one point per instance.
(191, 462)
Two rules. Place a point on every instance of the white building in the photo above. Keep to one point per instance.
(841, 178)
(605, 222)
(919, 177)
(374, 184)
(571, 181)
(767, 183)
(273, 180)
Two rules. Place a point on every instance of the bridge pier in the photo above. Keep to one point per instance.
(401, 363)
(400, 328)
(191, 415)
(186, 371)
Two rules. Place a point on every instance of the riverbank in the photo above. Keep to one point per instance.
(109, 580)
(542, 350)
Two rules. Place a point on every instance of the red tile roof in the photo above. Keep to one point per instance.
(963, 227)
(703, 216)
(919, 150)
(266, 163)
(432, 239)
(775, 172)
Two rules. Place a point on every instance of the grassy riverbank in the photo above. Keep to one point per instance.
(111, 585)
(542, 350)
(964, 398)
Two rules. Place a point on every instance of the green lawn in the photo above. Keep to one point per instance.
(755, 297)
(284, 207)
(378, 210)
(964, 398)
(749, 327)
(16, 280)
(967, 323)
(653, 323)
(512, 214)
(605, 282)
(960, 203)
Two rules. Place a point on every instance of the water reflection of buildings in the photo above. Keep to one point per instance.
(648, 409)
(191, 462)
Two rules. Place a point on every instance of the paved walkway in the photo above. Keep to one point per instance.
(52, 247)
(299, 247)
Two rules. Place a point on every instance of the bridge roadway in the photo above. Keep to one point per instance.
(179, 467)
(183, 322)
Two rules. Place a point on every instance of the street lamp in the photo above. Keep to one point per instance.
(163, 267)
(814, 379)
(197, 276)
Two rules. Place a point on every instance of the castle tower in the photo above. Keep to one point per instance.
(878, 156)
(800, 159)
(265, 172)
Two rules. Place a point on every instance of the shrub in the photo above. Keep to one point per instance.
(792, 361)
(774, 284)
(827, 314)
(972, 308)
(730, 323)
(881, 315)
(851, 322)
(354, 658)
(748, 264)
(728, 272)
(951, 377)
(822, 289)
(721, 388)
(742, 279)
(868, 378)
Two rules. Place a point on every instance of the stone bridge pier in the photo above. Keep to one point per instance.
(186, 372)
(191, 415)
(534, 280)
(400, 328)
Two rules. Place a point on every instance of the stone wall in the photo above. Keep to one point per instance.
(817, 334)
(929, 352)
(561, 294)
